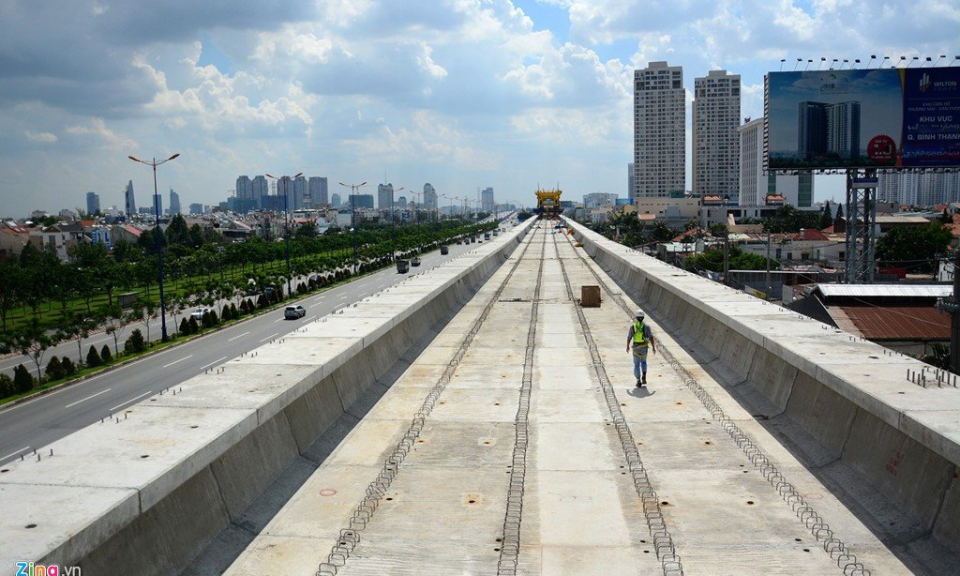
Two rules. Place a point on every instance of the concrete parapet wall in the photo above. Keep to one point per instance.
(146, 492)
(844, 406)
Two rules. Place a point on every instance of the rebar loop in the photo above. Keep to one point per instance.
(662, 541)
(811, 520)
(349, 537)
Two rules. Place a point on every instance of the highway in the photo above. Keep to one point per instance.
(32, 425)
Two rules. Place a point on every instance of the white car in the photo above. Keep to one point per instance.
(198, 313)
(294, 312)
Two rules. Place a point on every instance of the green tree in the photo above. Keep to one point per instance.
(22, 380)
(7, 387)
(135, 343)
(55, 369)
(106, 355)
(915, 247)
(306, 231)
(11, 281)
(177, 232)
(93, 358)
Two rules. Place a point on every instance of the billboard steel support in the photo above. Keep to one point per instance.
(861, 211)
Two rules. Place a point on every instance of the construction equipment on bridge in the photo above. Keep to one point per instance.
(590, 296)
(548, 203)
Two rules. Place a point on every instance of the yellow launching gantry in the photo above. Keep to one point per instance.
(548, 203)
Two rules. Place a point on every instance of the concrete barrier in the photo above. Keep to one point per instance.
(146, 492)
(843, 405)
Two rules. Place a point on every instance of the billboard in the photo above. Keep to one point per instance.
(882, 118)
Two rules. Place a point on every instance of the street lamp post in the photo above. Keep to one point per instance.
(353, 209)
(156, 210)
(286, 219)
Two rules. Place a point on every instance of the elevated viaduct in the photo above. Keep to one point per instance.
(477, 420)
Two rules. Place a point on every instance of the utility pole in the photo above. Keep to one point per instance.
(952, 306)
(769, 287)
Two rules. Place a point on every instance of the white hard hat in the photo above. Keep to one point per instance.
(640, 314)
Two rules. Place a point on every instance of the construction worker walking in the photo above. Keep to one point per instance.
(639, 338)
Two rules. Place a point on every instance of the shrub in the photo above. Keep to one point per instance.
(234, 313)
(194, 326)
(185, 327)
(7, 387)
(225, 312)
(93, 358)
(22, 380)
(54, 369)
(135, 343)
(69, 368)
(262, 301)
(209, 319)
(106, 355)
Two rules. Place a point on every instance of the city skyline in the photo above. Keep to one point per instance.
(349, 90)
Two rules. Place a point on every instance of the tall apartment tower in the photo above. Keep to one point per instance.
(429, 197)
(174, 203)
(385, 197)
(93, 202)
(754, 186)
(486, 200)
(926, 189)
(260, 189)
(129, 203)
(335, 200)
(659, 131)
(244, 189)
(317, 188)
(716, 144)
(299, 192)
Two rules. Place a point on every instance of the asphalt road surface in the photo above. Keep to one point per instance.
(32, 425)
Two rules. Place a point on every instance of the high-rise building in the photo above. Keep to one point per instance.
(755, 186)
(429, 197)
(659, 131)
(926, 189)
(260, 188)
(335, 200)
(299, 195)
(244, 189)
(361, 201)
(599, 199)
(174, 203)
(196, 209)
(631, 180)
(317, 191)
(716, 144)
(486, 200)
(828, 129)
(93, 202)
(385, 197)
(129, 204)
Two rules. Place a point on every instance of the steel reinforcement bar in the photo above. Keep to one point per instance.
(846, 560)
(349, 537)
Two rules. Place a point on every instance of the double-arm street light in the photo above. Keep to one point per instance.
(286, 218)
(353, 210)
(156, 210)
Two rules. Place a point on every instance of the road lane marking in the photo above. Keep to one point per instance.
(270, 336)
(87, 398)
(132, 400)
(24, 449)
(180, 360)
(214, 362)
(344, 296)
(238, 336)
(309, 318)
(313, 305)
(278, 320)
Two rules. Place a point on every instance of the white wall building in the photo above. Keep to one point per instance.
(716, 144)
(755, 185)
(659, 131)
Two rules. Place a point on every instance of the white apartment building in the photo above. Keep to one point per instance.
(316, 192)
(755, 185)
(923, 189)
(716, 144)
(429, 197)
(486, 200)
(659, 133)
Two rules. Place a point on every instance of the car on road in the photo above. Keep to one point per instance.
(198, 313)
(415, 261)
(403, 266)
(444, 250)
(294, 312)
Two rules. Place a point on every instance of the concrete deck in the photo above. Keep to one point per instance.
(445, 510)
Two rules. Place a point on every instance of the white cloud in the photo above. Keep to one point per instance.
(95, 132)
(40, 137)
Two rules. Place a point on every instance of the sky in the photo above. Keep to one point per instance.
(463, 94)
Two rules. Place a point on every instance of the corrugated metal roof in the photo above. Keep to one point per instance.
(895, 322)
(885, 290)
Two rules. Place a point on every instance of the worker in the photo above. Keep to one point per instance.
(639, 338)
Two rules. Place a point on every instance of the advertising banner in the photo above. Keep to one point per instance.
(883, 118)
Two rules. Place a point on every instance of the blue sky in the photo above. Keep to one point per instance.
(458, 93)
